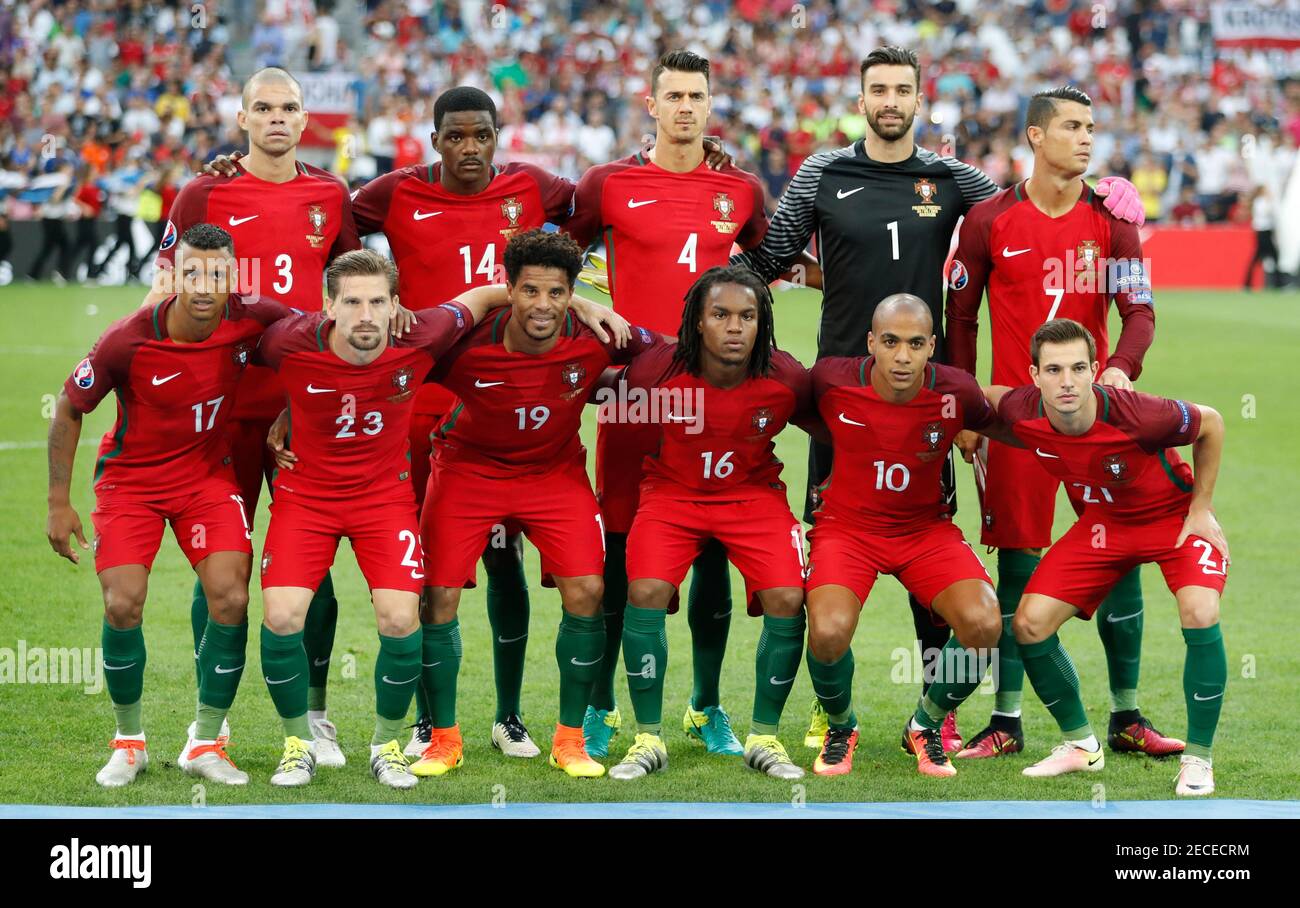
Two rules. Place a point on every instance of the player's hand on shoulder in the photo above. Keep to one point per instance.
(403, 320)
(715, 154)
(603, 321)
(1122, 200)
(62, 522)
(284, 458)
(968, 443)
(222, 165)
(1202, 522)
(1115, 378)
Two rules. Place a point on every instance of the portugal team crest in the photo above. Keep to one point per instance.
(762, 419)
(240, 355)
(403, 383)
(84, 374)
(266, 562)
(513, 210)
(929, 194)
(1115, 467)
(932, 435)
(316, 217)
(725, 207)
(572, 375)
(1086, 255)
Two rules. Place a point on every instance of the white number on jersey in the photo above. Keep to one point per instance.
(894, 477)
(199, 425)
(538, 416)
(284, 268)
(720, 469)
(487, 265)
(687, 256)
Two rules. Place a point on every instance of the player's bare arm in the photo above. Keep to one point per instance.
(1207, 454)
(63, 520)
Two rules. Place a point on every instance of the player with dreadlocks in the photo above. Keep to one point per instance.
(719, 396)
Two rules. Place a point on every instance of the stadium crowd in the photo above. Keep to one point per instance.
(107, 106)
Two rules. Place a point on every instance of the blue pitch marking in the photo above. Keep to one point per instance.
(1210, 809)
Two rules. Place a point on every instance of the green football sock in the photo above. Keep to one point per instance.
(1015, 567)
(931, 638)
(318, 641)
(957, 675)
(198, 624)
(284, 666)
(1119, 624)
(708, 612)
(440, 667)
(579, 648)
(221, 665)
(1056, 682)
(645, 655)
(1205, 679)
(507, 611)
(833, 684)
(615, 601)
(124, 661)
(397, 672)
(422, 708)
(776, 664)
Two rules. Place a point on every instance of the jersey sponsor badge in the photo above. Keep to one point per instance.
(958, 276)
(725, 208)
(1115, 467)
(316, 217)
(84, 374)
(928, 193)
(762, 419)
(1187, 415)
(169, 237)
(455, 310)
(403, 383)
(645, 336)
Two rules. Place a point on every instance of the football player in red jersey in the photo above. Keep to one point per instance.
(1047, 248)
(722, 394)
(290, 219)
(1140, 503)
(510, 452)
(174, 368)
(892, 417)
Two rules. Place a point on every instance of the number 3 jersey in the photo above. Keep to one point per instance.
(1125, 466)
(349, 424)
(888, 456)
(173, 399)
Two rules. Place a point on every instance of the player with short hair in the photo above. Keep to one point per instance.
(715, 477)
(1046, 248)
(1141, 503)
(510, 452)
(290, 219)
(884, 211)
(892, 416)
(174, 368)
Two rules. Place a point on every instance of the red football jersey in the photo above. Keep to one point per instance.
(662, 230)
(173, 399)
(520, 412)
(1125, 466)
(1037, 268)
(285, 234)
(715, 443)
(888, 457)
(349, 424)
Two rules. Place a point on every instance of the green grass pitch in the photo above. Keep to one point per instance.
(1223, 349)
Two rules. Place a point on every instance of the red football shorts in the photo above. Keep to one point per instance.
(925, 561)
(760, 534)
(1017, 497)
(251, 459)
(208, 518)
(465, 512)
(1085, 563)
(304, 536)
(621, 449)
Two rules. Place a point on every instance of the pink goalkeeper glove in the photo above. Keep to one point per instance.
(1122, 200)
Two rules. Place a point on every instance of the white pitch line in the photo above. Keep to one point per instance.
(34, 445)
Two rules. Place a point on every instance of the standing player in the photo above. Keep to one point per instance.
(174, 368)
(715, 477)
(350, 399)
(1140, 504)
(290, 220)
(1045, 249)
(884, 211)
(510, 452)
(892, 416)
(665, 217)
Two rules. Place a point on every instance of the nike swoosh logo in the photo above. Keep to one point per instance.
(311, 389)
(841, 194)
(425, 215)
(1111, 619)
(1093, 760)
(487, 384)
(235, 222)
(671, 418)
(226, 671)
(117, 668)
(283, 681)
(430, 664)
(1053, 703)
(501, 639)
(416, 574)
(575, 661)
(718, 616)
(852, 422)
(1009, 254)
(632, 204)
(1194, 696)
(953, 699)
(1041, 453)
(388, 680)
(319, 662)
(772, 680)
(828, 696)
(163, 381)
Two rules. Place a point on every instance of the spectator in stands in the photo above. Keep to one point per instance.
(1188, 211)
(1151, 180)
(1262, 214)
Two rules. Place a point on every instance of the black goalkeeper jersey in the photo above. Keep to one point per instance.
(881, 229)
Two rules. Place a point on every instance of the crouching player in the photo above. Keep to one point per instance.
(1113, 448)
(350, 399)
(721, 393)
(892, 417)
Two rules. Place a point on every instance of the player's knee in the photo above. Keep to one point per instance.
(649, 594)
(786, 602)
(124, 605)
(503, 557)
(829, 637)
(583, 595)
(229, 604)
(1198, 609)
(981, 630)
(1029, 627)
(397, 623)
